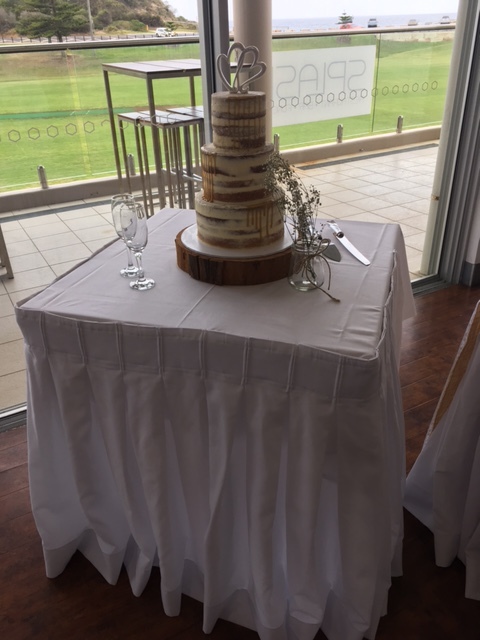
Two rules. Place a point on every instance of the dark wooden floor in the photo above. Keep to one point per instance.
(426, 603)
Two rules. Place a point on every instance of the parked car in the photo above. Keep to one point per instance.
(412, 23)
(372, 23)
(445, 20)
(162, 32)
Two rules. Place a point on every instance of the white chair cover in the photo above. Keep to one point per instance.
(443, 487)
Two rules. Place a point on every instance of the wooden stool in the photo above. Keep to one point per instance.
(4, 258)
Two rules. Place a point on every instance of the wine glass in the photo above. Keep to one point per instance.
(117, 201)
(135, 230)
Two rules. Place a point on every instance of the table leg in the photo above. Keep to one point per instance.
(145, 171)
(4, 257)
(192, 91)
(125, 155)
(178, 156)
(197, 144)
(168, 147)
(156, 144)
(189, 166)
(113, 129)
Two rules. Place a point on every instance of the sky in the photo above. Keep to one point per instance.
(326, 8)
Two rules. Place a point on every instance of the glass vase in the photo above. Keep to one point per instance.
(307, 270)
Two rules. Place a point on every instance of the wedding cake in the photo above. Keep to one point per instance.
(233, 209)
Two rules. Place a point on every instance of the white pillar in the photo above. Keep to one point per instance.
(252, 25)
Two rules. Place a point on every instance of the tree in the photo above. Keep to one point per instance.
(49, 18)
(7, 20)
(171, 27)
(102, 19)
(10, 5)
(345, 19)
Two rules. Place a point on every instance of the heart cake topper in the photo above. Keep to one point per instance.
(246, 58)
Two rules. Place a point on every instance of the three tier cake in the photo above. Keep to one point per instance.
(239, 231)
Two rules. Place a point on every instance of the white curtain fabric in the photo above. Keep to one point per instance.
(260, 465)
(443, 487)
(460, 188)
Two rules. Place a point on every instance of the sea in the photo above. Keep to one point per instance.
(325, 24)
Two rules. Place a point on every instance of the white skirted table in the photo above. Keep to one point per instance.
(247, 440)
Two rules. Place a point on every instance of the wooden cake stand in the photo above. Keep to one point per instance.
(231, 267)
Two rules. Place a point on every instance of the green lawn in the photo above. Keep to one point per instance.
(53, 106)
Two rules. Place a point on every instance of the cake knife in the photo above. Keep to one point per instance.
(338, 233)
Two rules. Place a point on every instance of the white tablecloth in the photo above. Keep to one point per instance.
(248, 440)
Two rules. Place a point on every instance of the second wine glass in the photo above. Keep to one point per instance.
(134, 224)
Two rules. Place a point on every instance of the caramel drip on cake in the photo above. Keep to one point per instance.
(208, 170)
(261, 219)
(238, 226)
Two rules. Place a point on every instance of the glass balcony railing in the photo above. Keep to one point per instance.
(365, 82)
(53, 108)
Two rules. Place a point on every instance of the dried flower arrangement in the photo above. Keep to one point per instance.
(299, 204)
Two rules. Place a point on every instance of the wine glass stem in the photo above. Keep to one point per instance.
(130, 257)
(141, 273)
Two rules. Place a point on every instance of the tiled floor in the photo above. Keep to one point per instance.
(384, 187)
(44, 243)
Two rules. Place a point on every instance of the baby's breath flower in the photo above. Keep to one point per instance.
(297, 201)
